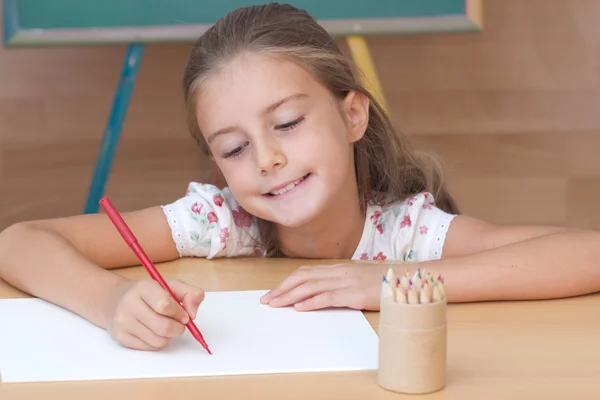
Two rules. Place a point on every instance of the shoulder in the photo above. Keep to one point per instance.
(201, 203)
(409, 212)
(413, 229)
(209, 222)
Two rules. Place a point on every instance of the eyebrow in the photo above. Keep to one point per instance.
(267, 110)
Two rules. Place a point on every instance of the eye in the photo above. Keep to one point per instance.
(235, 151)
(290, 125)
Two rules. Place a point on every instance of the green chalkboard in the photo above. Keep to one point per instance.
(63, 22)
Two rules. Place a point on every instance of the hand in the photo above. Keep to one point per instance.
(143, 316)
(344, 285)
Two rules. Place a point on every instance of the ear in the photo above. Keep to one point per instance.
(356, 110)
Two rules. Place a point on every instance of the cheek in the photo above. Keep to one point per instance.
(324, 137)
(329, 146)
(237, 174)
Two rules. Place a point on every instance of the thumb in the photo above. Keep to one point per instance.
(190, 296)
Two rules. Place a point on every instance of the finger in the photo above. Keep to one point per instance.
(333, 298)
(297, 278)
(191, 296)
(158, 324)
(307, 290)
(146, 334)
(161, 302)
(134, 342)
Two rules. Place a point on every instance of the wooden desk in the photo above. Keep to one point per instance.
(520, 350)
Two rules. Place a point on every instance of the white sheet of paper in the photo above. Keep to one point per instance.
(40, 342)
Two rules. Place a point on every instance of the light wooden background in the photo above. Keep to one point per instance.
(513, 112)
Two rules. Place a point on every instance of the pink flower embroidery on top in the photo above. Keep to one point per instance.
(406, 222)
(212, 217)
(197, 208)
(364, 256)
(379, 257)
(241, 217)
(429, 203)
(224, 234)
(379, 227)
(375, 216)
(218, 200)
(423, 230)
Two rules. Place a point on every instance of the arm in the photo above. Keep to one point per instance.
(481, 262)
(468, 235)
(64, 260)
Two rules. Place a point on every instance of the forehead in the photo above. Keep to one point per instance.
(247, 86)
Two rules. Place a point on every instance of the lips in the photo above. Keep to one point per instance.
(281, 189)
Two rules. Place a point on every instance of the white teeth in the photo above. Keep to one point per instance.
(287, 188)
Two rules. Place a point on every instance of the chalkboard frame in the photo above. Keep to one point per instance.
(407, 17)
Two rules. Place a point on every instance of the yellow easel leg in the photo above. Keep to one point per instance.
(364, 61)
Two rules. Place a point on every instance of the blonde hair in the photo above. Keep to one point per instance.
(387, 168)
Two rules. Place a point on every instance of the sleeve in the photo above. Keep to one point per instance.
(208, 222)
(422, 229)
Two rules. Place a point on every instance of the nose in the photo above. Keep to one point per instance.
(269, 156)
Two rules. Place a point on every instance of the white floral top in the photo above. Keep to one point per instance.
(208, 222)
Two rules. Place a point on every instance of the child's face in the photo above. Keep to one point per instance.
(279, 126)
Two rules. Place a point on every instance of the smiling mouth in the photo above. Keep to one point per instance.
(289, 187)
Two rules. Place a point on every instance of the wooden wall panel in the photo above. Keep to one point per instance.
(512, 112)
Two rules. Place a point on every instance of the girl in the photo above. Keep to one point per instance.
(314, 170)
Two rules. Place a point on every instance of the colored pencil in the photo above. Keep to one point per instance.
(420, 289)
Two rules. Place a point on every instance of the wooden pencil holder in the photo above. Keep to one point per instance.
(412, 347)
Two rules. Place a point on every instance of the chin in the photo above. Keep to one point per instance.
(296, 217)
(294, 221)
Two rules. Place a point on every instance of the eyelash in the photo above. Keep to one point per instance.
(288, 126)
(235, 151)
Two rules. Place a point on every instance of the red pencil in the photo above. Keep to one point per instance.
(132, 242)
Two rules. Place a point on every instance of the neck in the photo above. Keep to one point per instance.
(334, 237)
